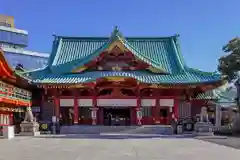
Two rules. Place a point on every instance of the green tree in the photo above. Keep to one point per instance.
(229, 66)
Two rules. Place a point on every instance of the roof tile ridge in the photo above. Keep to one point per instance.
(182, 65)
(56, 56)
(36, 70)
(94, 53)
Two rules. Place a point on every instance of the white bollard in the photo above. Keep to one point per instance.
(8, 132)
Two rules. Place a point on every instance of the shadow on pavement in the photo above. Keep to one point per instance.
(229, 141)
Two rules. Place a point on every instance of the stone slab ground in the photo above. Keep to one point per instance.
(113, 149)
(229, 141)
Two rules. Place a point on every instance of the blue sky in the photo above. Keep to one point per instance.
(204, 25)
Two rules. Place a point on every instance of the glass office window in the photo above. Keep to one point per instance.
(14, 38)
(29, 62)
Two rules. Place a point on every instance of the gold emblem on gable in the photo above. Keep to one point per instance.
(117, 44)
(79, 69)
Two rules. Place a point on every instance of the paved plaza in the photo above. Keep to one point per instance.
(113, 149)
(230, 141)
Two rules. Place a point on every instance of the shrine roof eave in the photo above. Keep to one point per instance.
(144, 85)
(185, 78)
(5, 69)
(207, 96)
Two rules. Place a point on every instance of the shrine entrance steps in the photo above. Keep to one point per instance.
(148, 129)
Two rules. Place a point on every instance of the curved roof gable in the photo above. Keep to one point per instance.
(69, 53)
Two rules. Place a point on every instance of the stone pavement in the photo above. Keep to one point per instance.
(229, 141)
(108, 149)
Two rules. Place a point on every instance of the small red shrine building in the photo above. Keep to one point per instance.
(12, 96)
(119, 80)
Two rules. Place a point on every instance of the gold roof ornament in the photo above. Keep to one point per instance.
(116, 68)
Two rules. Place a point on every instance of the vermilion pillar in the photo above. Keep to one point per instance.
(94, 109)
(155, 111)
(176, 109)
(56, 104)
(138, 108)
(75, 108)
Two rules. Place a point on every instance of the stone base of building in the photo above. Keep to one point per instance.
(204, 129)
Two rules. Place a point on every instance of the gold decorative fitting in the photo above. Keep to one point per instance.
(116, 68)
(154, 86)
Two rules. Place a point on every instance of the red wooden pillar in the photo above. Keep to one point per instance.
(75, 108)
(138, 108)
(94, 109)
(155, 111)
(175, 114)
(56, 104)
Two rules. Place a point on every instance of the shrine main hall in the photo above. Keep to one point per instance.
(119, 80)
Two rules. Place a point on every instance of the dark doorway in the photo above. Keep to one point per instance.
(163, 116)
(116, 116)
(163, 113)
(66, 116)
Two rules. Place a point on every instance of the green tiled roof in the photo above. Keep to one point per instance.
(223, 94)
(70, 52)
(210, 95)
(163, 53)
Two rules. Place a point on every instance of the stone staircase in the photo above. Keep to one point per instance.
(153, 129)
